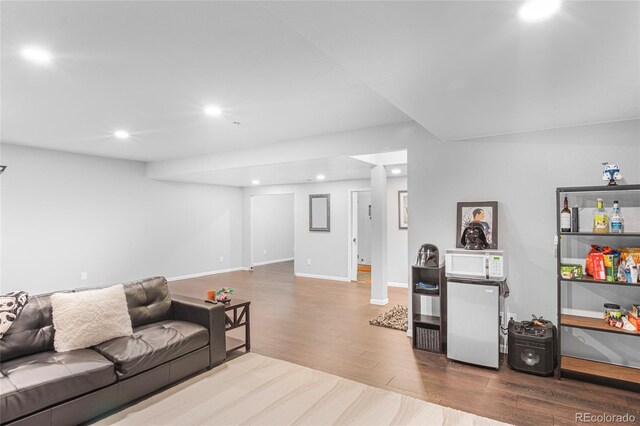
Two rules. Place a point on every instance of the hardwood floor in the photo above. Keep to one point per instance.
(324, 325)
(364, 277)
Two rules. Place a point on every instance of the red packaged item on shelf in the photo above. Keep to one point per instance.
(634, 320)
(595, 262)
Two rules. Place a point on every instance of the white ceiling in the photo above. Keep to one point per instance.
(464, 69)
(288, 70)
(150, 67)
(334, 169)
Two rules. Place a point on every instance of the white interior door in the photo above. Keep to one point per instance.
(354, 237)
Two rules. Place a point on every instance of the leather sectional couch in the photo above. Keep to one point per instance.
(172, 338)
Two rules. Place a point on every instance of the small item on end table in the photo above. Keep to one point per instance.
(224, 294)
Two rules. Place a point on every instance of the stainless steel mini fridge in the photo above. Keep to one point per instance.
(473, 321)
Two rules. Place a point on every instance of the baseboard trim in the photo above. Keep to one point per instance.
(378, 301)
(322, 277)
(204, 274)
(401, 285)
(269, 262)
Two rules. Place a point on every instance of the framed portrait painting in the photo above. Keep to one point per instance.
(482, 212)
(403, 210)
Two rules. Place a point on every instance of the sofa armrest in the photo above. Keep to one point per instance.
(208, 315)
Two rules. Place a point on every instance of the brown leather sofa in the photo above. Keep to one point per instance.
(172, 338)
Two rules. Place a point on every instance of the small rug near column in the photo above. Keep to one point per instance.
(396, 318)
(257, 390)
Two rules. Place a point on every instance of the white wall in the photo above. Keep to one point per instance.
(63, 214)
(364, 228)
(272, 228)
(398, 253)
(521, 172)
(328, 251)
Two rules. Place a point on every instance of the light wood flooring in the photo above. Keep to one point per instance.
(257, 390)
(324, 325)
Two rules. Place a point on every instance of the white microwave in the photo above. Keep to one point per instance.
(483, 264)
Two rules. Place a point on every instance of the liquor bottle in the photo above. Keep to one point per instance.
(617, 222)
(600, 218)
(565, 217)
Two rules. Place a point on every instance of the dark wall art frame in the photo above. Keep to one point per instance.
(488, 218)
(313, 222)
(403, 216)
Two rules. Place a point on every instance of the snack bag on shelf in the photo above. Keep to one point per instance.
(610, 266)
(634, 320)
(571, 271)
(633, 252)
(595, 262)
(631, 270)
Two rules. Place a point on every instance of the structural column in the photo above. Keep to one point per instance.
(379, 236)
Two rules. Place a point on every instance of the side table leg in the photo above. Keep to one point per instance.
(247, 333)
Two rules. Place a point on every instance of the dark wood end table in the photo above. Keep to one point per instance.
(240, 317)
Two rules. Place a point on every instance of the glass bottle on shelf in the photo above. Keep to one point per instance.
(617, 223)
(600, 218)
(565, 217)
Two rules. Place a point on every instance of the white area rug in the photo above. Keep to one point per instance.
(257, 390)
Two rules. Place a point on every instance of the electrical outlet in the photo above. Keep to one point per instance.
(308, 261)
(265, 252)
(221, 259)
(83, 276)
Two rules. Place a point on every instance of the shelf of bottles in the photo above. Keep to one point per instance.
(587, 217)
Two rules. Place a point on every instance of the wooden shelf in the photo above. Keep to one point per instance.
(588, 323)
(596, 234)
(600, 369)
(603, 188)
(436, 268)
(434, 292)
(589, 280)
(600, 372)
(428, 320)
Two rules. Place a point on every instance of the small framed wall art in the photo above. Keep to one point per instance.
(403, 210)
(482, 212)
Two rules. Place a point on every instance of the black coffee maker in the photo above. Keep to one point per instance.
(428, 256)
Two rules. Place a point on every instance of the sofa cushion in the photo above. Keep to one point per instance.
(36, 381)
(148, 300)
(86, 318)
(152, 345)
(31, 332)
(11, 305)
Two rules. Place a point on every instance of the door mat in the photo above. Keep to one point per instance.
(396, 318)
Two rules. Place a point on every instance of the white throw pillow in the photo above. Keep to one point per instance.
(88, 318)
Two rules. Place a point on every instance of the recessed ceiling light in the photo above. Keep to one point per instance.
(121, 134)
(537, 10)
(36, 55)
(213, 110)
(396, 171)
(320, 177)
(255, 182)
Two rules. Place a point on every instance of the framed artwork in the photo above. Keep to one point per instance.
(482, 212)
(320, 212)
(403, 210)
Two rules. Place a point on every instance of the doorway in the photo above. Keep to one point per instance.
(360, 238)
(272, 229)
